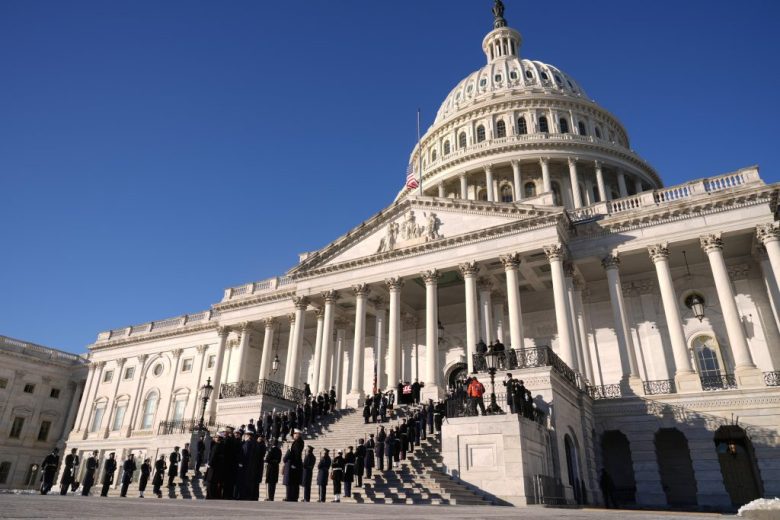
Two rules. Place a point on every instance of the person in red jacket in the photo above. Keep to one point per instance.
(475, 392)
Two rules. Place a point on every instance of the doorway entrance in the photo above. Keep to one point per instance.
(676, 468)
(737, 464)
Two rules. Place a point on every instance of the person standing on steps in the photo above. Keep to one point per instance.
(159, 475)
(146, 470)
(128, 468)
(201, 456)
(381, 437)
(185, 462)
(349, 471)
(308, 473)
(89, 477)
(323, 470)
(337, 475)
(272, 460)
(49, 467)
(368, 459)
(215, 475)
(68, 474)
(360, 459)
(108, 474)
(173, 468)
(259, 465)
(390, 449)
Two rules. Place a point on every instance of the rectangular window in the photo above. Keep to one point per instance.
(129, 372)
(43, 433)
(212, 361)
(55, 393)
(3, 383)
(119, 417)
(16, 428)
(29, 388)
(108, 376)
(178, 410)
(186, 365)
(97, 418)
(5, 470)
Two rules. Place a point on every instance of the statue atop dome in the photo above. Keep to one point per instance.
(498, 15)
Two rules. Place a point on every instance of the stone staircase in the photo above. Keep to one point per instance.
(420, 479)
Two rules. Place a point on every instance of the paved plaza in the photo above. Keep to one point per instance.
(37, 506)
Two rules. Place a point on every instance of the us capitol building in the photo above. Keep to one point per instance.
(655, 308)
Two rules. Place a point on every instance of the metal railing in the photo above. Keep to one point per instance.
(457, 406)
(613, 391)
(263, 387)
(718, 382)
(187, 426)
(659, 386)
(772, 378)
(529, 358)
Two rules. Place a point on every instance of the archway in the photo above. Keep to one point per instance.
(675, 467)
(737, 464)
(616, 454)
(456, 375)
(573, 468)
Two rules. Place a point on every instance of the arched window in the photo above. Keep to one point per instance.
(482, 194)
(598, 132)
(564, 125)
(97, 416)
(522, 127)
(506, 193)
(433, 155)
(480, 133)
(446, 147)
(150, 407)
(581, 127)
(708, 359)
(501, 129)
(557, 199)
(529, 189)
(462, 140)
(543, 127)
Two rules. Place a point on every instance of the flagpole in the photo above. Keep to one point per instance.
(419, 151)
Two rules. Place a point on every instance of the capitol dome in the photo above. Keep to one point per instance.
(520, 130)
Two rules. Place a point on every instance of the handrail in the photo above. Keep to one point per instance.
(262, 387)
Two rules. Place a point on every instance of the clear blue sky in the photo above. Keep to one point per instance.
(153, 153)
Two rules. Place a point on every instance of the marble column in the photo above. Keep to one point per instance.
(511, 263)
(432, 389)
(243, 350)
(546, 183)
(685, 378)
(293, 357)
(338, 368)
(631, 380)
(485, 287)
(100, 366)
(441, 190)
(579, 317)
(518, 181)
(192, 405)
(380, 350)
(603, 196)
(394, 286)
(464, 186)
(770, 282)
(555, 255)
(290, 343)
(568, 273)
(769, 236)
(136, 399)
(327, 339)
(268, 345)
(498, 318)
(84, 399)
(745, 370)
(76, 390)
(111, 408)
(621, 178)
(574, 179)
(315, 364)
(223, 335)
(638, 185)
(357, 391)
(491, 195)
(469, 271)
(177, 352)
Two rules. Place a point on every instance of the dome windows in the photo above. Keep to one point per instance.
(570, 85)
(513, 75)
(501, 129)
(480, 133)
(529, 190)
(522, 126)
(446, 147)
(462, 140)
(545, 77)
(598, 132)
(581, 128)
(543, 126)
(529, 74)
(469, 89)
(558, 79)
(498, 78)
(564, 125)
(482, 82)
(433, 155)
(506, 193)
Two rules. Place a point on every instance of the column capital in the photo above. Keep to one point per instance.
(510, 260)
(573, 161)
(658, 251)
(202, 349)
(469, 268)
(768, 232)
(484, 284)
(223, 331)
(269, 322)
(555, 252)
(611, 261)
(430, 277)
(243, 327)
(319, 312)
(578, 284)
(97, 364)
(410, 320)
(291, 318)
(142, 359)
(711, 242)
(515, 163)
(544, 160)
(597, 164)
(301, 302)
(330, 296)
(177, 352)
(120, 362)
(340, 322)
(378, 302)
(395, 283)
(361, 290)
(488, 168)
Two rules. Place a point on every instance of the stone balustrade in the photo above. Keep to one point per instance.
(252, 288)
(38, 351)
(155, 326)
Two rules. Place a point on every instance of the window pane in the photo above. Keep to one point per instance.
(29, 388)
(178, 411)
(5, 470)
(43, 433)
(119, 417)
(97, 418)
(16, 428)
(149, 408)
(55, 393)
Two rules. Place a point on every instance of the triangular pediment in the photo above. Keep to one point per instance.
(412, 223)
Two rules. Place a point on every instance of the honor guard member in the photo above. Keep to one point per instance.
(360, 460)
(259, 466)
(173, 467)
(349, 471)
(337, 475)
(367, 410)
(69, 473)
(185, 461)
(215, 475)
(128, 468)
(89, 476)
(146, 470)
(201, 455)
(108, 474)
(368, 460)
(381, 437)
(323, 470)
(159, 476)
(272, 460)
(49, 468)
(308, 473)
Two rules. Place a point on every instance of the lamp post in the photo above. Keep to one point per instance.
(491, 360)
(696, 303)
(205, 392)
(275, 364)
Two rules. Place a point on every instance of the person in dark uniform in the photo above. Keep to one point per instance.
(259, 466)
(381, 437)
(272, 460)
(173, 467)
(438, 416)
(108, 474)
(89, 476)
(423, 421)
(49, 468)
(128, 468)
(69, 472)
(215, 475)
(308, 472)
(360, 460)
(245, 467)
(230, 464)
(295, 468)
(367, 410)
(337, 475)
(430, 416)
(404, 432)
(201, 455)
(146, 470)
(510, 383)
(368, 459)
(349, 471)
(416, 392)
(159, 476)
(185, 461)
(323, 469)
(390, 449)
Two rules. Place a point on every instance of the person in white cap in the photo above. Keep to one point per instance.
(337, 475)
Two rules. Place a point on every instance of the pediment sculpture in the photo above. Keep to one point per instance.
(409, 232)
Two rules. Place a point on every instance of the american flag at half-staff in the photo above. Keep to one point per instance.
(411, 178)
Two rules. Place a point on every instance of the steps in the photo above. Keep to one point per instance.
(420, 479)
